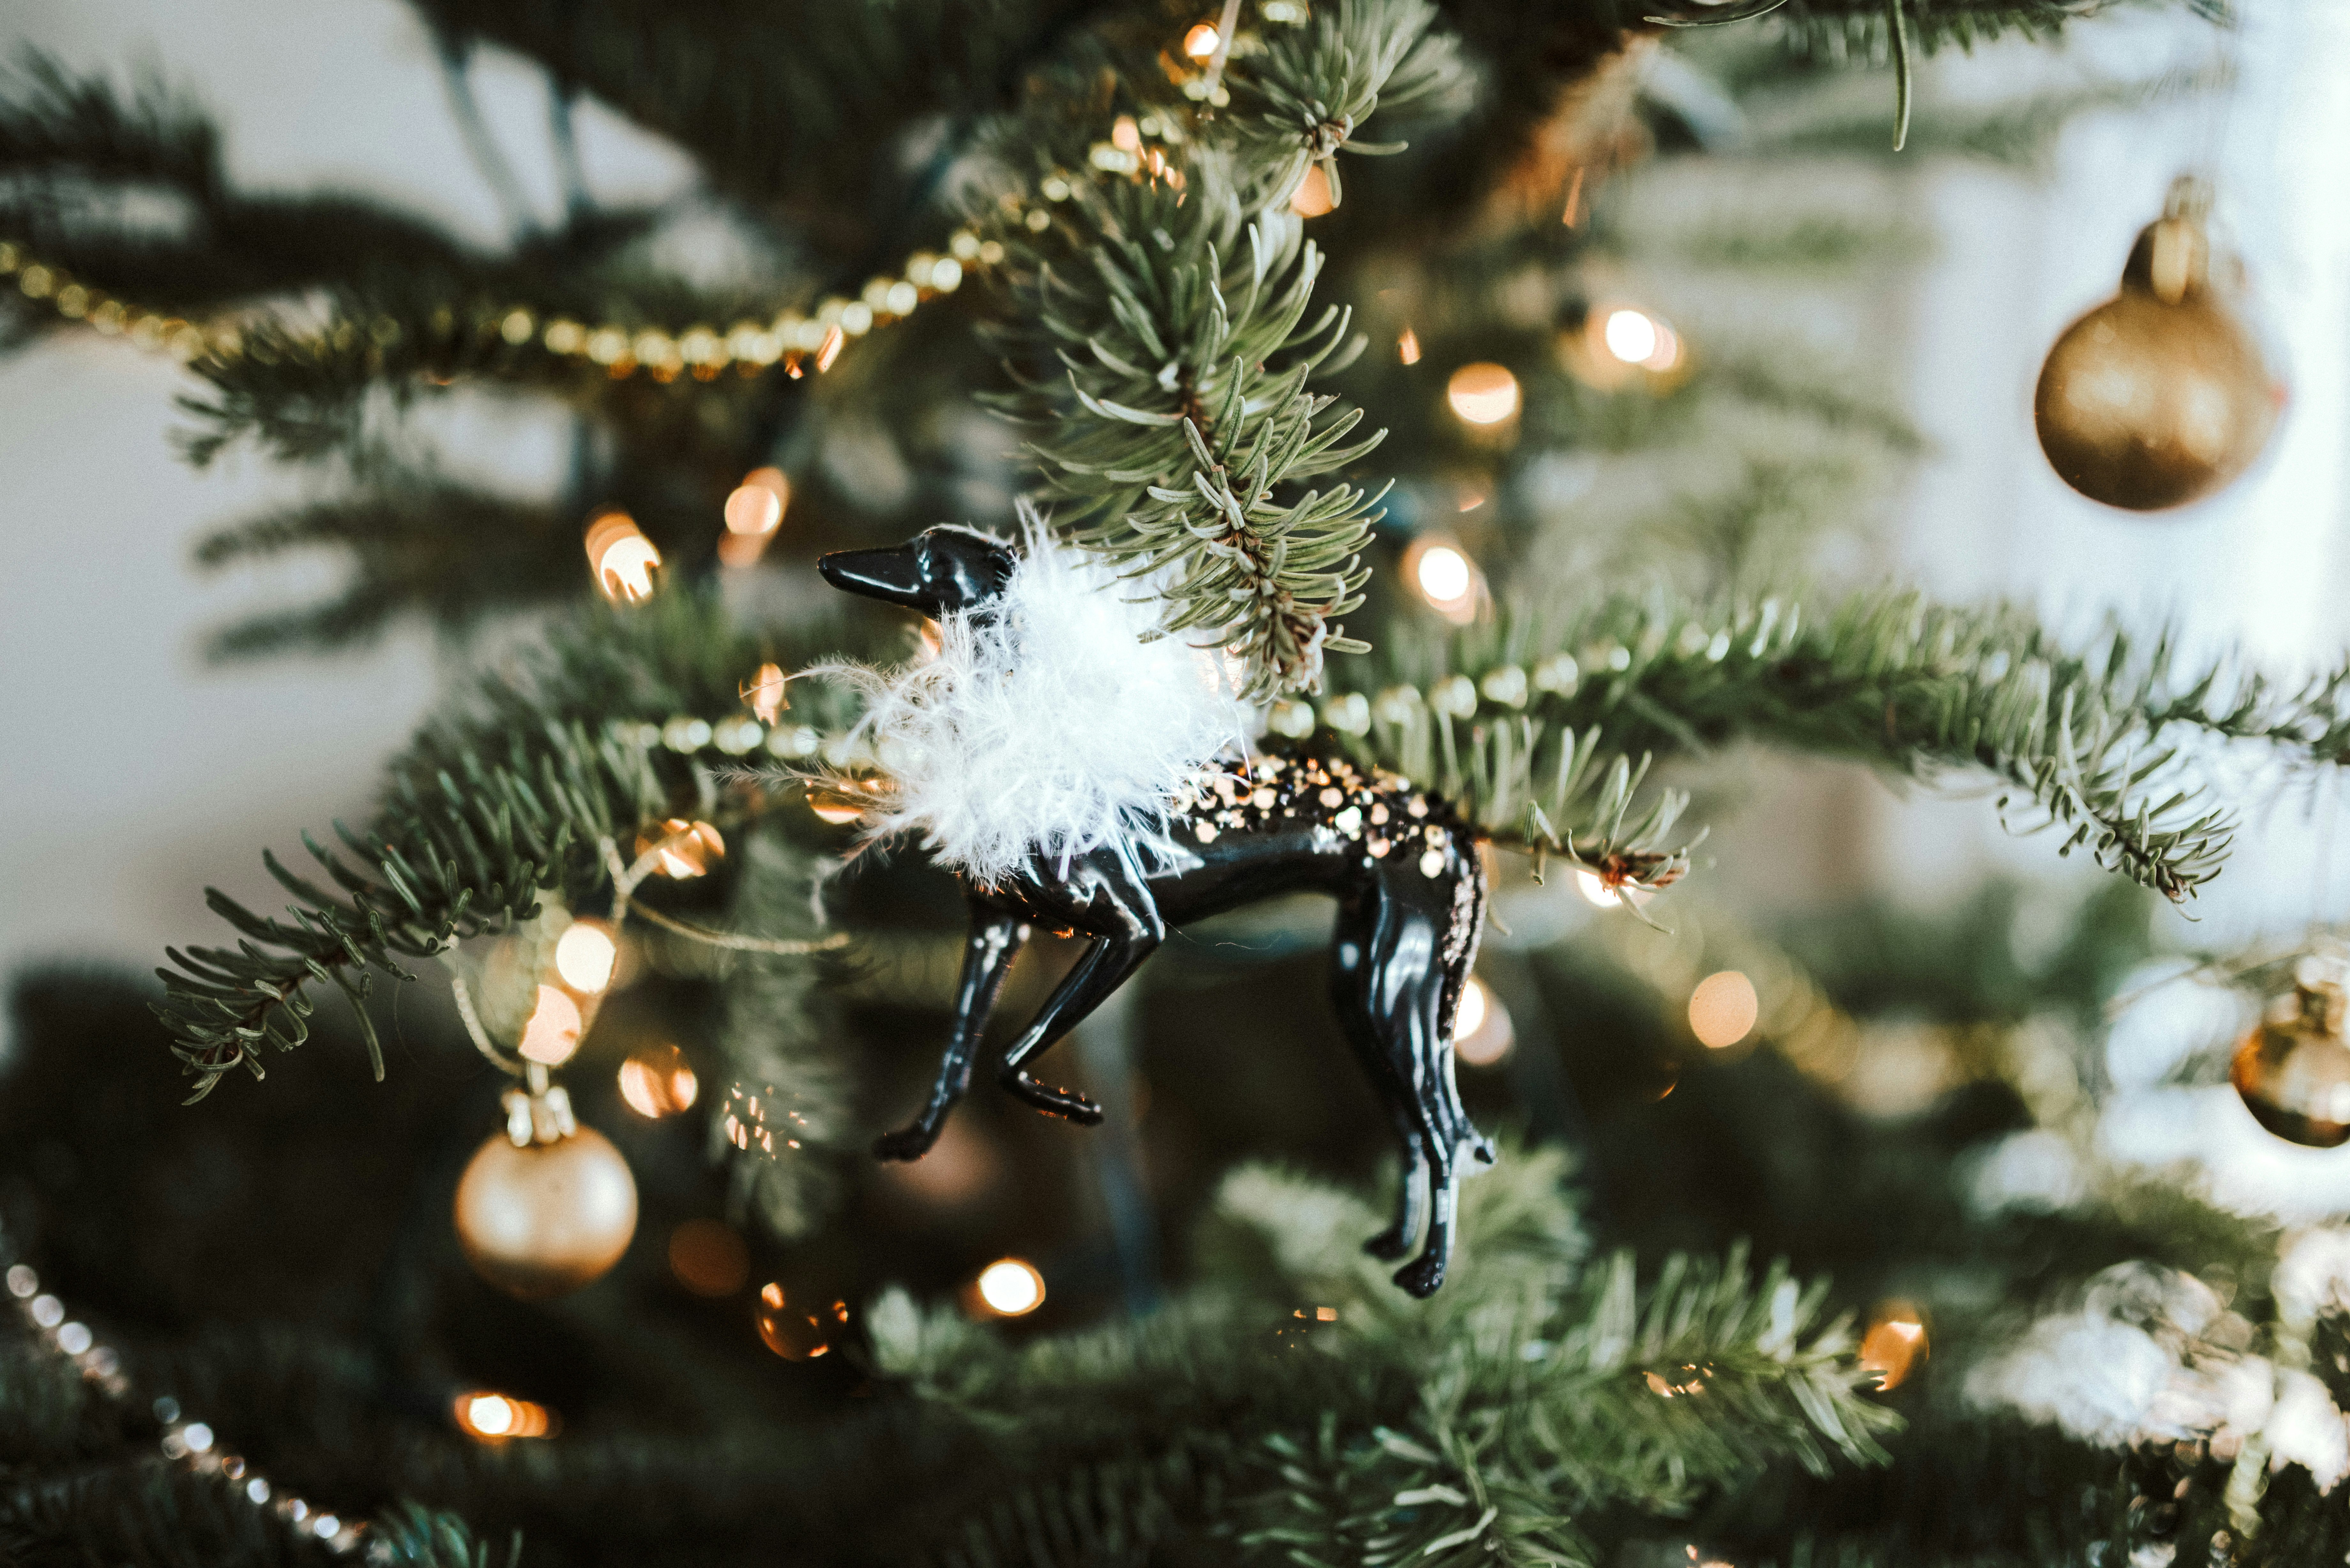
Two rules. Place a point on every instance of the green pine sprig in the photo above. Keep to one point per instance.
(1544, 733)
(511, 794)
(1162, 333)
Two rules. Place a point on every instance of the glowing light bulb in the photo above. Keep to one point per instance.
(1629, 336)
(492, 1417)
(1408, 346)
(1010, 1288)
(765, 693)
(1895, 1344)
(1481, 1032)
(1312, 197)
(655, 1081)
(1482, 394)
(838, 806)
(683, 849)
(553, 1032)
(1200, 42)
(1446, 578)
(622, 557)
(585, 956)
(1443, 573)
(1723, 1009)
(753, 509)
(489, 1416)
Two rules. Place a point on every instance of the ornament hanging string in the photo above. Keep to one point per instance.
(625, 878)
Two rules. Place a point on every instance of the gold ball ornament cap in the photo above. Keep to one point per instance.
(2292, 1072)
(546, 1218)
(2159, 396)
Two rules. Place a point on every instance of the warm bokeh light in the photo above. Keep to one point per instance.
(1200, 42)
(1444, 574)
(1723, 1009)
(1408, 346)
(754, 512)
(1312, 197)
(586, 955)
(1895, 1343)
(1483, 393)
(1634, 337)
(1481, 1031)
(622, 558)
(1124, 134)
(1010, 1288)
(793, 1335)
(553, 1032)
(1629, 336)
(708, 1257)
(655, 1081)
(765, 693)
(495, 1417)
(838, 806)
(683, 849)
(753, 509)
(1446, 578)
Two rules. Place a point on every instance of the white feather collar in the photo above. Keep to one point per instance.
(1059, 724)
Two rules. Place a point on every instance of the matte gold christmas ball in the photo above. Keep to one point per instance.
(2293, 1071)
(2159, 396)
(546, 1219)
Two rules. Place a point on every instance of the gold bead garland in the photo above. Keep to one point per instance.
(186, 1442)
(790, 339)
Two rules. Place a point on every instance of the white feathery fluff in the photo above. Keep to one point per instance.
(1056, 726)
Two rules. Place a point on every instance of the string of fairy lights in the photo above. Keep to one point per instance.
(181, 1439)
(792, 340)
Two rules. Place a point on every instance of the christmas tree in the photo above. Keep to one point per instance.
(1285, 486)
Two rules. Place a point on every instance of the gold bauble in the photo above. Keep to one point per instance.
(793, 1332)
(2159, 396)
(548, 1218)
(2293, 1071)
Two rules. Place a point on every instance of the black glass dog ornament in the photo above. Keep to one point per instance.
(1403, 866)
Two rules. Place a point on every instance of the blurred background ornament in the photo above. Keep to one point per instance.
(2159, 396)
(790, 1330)
(545, 1206)
(2294, 1070)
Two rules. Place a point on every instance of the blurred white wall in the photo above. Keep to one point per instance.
(135, 774)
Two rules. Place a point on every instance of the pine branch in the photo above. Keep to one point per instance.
(1543, 735)
(510, 795)
(1842, 28)
(1524, 1399)
(457, 553)
(415, 1536)
(1164, 337)
(782, 107)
